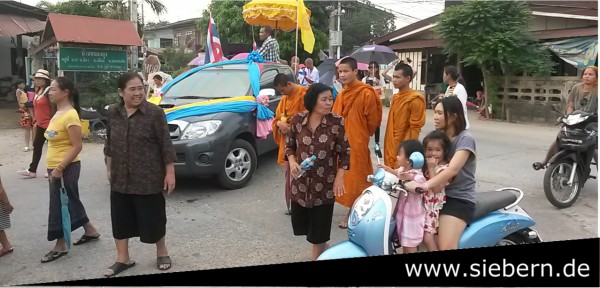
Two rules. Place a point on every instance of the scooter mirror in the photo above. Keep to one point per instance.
(379, 176)
(555, 108)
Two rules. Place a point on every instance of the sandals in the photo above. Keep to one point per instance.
(2, 253)
(119, 267)
(163, 260)
(85, 239)
(343, 225)
(53, 255)
(538, 166)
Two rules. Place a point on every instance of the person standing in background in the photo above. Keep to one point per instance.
(311, 72)
(270, 48)
(453, 79)
(62, 158)
(361, 108)
(290, 105)
(26, 113)
(43, 112)
(406, 117)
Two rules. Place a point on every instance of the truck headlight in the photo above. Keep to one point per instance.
(201, 129)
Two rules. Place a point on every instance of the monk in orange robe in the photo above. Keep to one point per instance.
(361, 108)
(407, 114)
(291, 104)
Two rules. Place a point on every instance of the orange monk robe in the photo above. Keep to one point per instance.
(361, 108)
(405, 121)
(290, 105)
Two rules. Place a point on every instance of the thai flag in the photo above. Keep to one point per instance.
(213, 44)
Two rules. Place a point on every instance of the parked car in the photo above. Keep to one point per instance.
(222, 145)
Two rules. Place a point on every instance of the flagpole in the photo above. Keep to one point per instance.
(297, 21)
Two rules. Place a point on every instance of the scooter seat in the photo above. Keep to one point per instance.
(491, 201)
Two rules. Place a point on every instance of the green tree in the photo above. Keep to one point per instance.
(120, 9)
(82, 8)
(106, 9)
(176, 59)
(494, 35)
(359, 28)
(363, 24)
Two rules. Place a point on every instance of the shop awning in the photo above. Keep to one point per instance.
(579, 52)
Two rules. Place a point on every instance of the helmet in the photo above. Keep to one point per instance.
(417, 160)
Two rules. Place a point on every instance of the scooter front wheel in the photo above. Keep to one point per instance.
(557, 191)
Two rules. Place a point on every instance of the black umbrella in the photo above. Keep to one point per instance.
(327, 71)
(379, 53)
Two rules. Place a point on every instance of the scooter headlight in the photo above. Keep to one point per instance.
(574, 119)
(361, 207)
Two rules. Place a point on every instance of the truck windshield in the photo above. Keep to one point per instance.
(212, 83)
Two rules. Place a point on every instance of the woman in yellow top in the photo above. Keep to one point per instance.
(62, 159)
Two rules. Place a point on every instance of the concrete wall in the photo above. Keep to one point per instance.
(530, 100)
(153, 37)
(5, 47)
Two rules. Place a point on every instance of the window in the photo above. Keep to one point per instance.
(267, 79)
(231, 83)
(177, 40)
(166, 43)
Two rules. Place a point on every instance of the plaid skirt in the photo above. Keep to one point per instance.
(76, 209)
(4, 218)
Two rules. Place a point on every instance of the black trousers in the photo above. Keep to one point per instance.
(38, 146)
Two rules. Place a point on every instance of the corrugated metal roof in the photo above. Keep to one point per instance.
(416, 44)
(422, 23)
(92, 30)
(566, 33)
(13, 25)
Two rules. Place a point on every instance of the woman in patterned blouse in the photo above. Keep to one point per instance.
(320, 133)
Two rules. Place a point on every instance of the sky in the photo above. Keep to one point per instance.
(185, 9)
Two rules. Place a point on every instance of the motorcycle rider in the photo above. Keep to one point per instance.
(583, 97)
(459, 208)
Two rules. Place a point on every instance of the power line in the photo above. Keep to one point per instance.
(373, 5)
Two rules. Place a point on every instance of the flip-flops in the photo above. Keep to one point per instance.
(85, 239)
(119, 267)
(538, 166)
(163, 260)
(53, 255)
(2, 253)
(343, 225)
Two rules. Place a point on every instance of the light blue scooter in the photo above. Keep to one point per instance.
(498, 220)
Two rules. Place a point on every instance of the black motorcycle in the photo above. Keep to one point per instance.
(98, 119)
(570, 168)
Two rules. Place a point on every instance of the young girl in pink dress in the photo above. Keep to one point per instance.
(410, 211)
(436, 146)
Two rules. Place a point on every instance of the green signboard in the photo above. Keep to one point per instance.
(97, 60)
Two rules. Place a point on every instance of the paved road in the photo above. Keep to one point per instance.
(212, 228)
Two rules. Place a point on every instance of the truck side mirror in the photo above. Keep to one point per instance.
(269, 92)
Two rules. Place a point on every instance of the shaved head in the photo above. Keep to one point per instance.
(309, 63)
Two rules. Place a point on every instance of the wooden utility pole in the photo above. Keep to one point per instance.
(133, 5)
